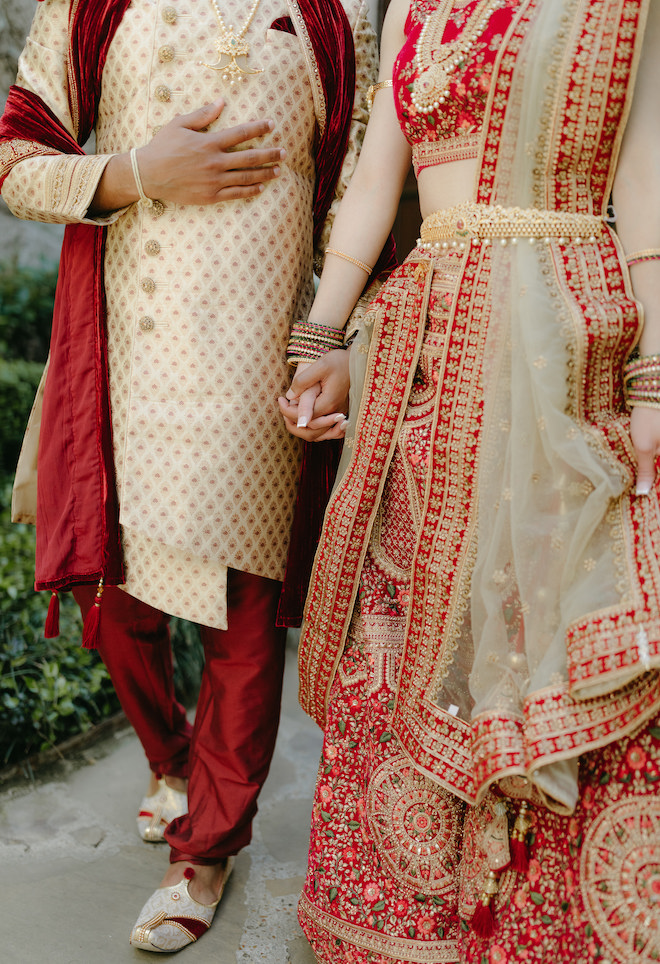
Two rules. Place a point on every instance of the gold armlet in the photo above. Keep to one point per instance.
(373, 90)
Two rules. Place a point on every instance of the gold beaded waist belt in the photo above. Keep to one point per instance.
(472, 223)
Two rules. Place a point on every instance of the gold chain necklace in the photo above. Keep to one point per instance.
(232, 45)
(436, 60)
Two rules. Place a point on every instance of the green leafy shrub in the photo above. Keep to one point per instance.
(26, 310)
(50, 689)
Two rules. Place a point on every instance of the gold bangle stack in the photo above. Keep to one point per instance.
(308, 341)
(641, 381)
(347, 257)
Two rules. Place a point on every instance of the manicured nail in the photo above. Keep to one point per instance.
(276, 171)
(343, 425)
(282, 154)
(339, 417)
(643, 488)
(302, 422)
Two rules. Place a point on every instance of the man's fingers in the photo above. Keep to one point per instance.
(199, 119)
(242, 133)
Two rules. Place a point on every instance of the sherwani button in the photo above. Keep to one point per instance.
(146, 324)
(163, 94)
(152, 247)
(148, 285)
(166, 53)
(169, 14)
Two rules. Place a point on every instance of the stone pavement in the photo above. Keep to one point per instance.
(75, 874)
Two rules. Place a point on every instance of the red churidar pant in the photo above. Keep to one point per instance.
(233, 737)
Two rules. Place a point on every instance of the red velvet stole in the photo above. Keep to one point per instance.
(77, 512)
(78, 536)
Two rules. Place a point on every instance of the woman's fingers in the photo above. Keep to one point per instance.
(645, 434)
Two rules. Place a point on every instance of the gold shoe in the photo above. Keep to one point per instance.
(171, 919)
(160, 809)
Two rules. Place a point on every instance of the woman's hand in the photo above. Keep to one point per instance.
(645, 434)
(315, 406)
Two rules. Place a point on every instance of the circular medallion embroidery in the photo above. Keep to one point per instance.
(415, 825)
(620, 878)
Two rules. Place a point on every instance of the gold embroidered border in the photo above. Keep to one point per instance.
(464, 147)
(498, 98)
(16, 150)
(401, 950)
(396, 343)
(555, 727)
(435, 739)
(320, 107)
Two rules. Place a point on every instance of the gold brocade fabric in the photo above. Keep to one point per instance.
(199, 299)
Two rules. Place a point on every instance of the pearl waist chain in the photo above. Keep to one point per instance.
(472, 223)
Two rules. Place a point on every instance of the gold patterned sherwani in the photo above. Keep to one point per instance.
(199, 299)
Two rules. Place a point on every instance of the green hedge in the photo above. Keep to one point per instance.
(50, 689)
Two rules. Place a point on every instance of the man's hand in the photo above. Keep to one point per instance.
(186, 164)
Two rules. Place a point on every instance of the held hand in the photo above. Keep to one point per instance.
(187, 164)
(316, 403)
(645, 434)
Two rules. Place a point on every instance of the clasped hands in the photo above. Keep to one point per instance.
(316, 404)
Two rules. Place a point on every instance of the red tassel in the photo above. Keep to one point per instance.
(519, 856)
(52, 626)
(93, 620)
(483, 921)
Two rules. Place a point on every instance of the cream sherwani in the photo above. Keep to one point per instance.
(199, 299)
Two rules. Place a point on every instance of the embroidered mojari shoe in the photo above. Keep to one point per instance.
(171, 919)
(158, 810)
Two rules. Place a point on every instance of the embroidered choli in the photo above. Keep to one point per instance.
(451, 131)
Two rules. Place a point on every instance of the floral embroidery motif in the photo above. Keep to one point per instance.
(620, 873)
(415, 826)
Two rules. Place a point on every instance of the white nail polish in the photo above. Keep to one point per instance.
(643, 488)
(344, 425)
(302, 422)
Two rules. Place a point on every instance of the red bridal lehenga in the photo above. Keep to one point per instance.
(482, 633)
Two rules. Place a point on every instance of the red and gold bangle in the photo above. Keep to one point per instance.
(309, 341)
(639, 257)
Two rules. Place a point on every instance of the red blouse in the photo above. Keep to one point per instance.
(450, 131)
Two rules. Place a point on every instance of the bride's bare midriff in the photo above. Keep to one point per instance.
(445, 185)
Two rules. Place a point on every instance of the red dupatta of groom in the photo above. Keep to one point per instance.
(78, 535)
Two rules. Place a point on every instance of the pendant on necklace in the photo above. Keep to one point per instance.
(230, 46)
